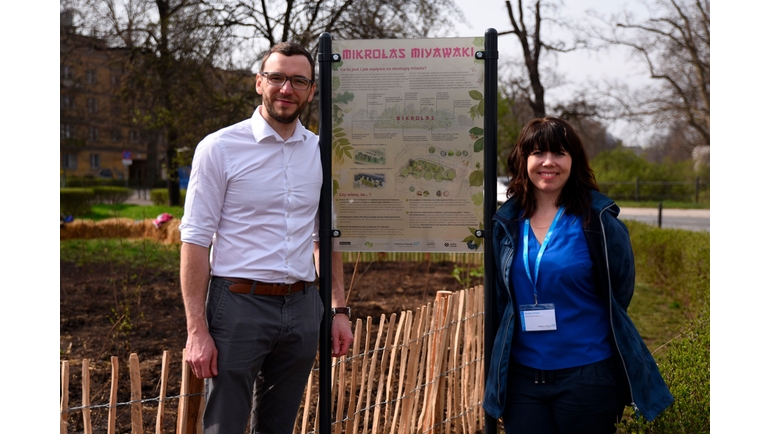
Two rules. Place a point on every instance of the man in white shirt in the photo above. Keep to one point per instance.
(252, 307)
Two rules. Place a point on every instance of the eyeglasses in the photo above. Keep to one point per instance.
(277, 79)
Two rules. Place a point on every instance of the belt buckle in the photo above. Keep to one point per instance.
(288, 289)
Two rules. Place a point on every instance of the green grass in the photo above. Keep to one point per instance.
(121, 252)
(135, 212)
(657, 316)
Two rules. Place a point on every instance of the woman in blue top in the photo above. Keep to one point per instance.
(566, 357)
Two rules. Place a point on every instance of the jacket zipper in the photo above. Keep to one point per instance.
(610, 306)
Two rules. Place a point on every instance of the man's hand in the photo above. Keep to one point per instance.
(342, 338)
(201, 354)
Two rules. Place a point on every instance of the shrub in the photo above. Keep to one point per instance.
(679, 261)
(686, 370)
(76, 201)
(160, 196)
(111, 195)
(91, 181)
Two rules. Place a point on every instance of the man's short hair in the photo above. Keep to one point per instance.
(290, 49)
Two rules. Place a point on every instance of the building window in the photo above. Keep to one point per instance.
(116, 135)
(68, 102)
(91, 105)
(93, 133)
(65, 131)
(94, 160)
(69, 161)
(65, 71)
(90, 76)
(134, 136)
(115, 80)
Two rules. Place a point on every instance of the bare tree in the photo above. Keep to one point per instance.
(303, 21)
(530, 85)
(673, 42)
(173, 84)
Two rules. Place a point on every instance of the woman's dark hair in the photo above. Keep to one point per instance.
(290, 49)
(552, 135)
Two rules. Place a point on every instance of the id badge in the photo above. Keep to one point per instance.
(538, 317)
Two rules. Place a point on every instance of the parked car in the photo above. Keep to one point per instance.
(503, 185)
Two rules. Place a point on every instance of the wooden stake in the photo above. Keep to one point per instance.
(63, 406)
(408, 419)
(136, 395)
(395, 350)
(190, 407)
(364, 365)
(112, 413)
(86, 400)
(371, 375)
(341, 371)
(406, 317)
(355, 355)
(162, 396)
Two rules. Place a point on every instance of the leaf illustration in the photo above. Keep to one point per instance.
(479, 145)
(476, 179)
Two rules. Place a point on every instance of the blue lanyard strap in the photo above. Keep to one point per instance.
(538, 258)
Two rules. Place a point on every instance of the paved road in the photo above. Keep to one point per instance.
(690, 219)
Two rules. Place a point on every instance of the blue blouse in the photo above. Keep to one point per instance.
(564, 279)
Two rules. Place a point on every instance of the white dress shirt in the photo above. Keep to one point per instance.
(254, 197)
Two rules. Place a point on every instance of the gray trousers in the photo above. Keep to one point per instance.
(265, 341)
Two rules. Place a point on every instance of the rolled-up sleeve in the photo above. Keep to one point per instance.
(205, 193)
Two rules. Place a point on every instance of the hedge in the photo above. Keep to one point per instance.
(76, 201)
(678, 260)
(111, 195)
(160, 196)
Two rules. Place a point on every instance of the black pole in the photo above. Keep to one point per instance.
(325, 232)
(661, 207)
(490, 202)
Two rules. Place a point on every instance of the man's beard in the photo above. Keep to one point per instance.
(284, 119)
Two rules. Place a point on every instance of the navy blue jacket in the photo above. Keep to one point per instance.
(611, 252)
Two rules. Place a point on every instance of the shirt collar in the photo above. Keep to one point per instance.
(262, 130)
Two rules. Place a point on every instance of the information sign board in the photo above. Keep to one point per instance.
(407, 145)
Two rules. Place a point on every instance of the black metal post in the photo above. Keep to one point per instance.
(325, 232)
(661, 207)
(490, 202)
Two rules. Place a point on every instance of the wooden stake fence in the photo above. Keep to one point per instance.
(419, 372)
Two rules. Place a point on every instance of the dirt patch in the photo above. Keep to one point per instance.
(111, 311)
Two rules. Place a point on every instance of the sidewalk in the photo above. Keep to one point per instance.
(140, 197)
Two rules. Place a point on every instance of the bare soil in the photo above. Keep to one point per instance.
(107, 312)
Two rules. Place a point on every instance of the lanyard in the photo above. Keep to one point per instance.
(525, 249)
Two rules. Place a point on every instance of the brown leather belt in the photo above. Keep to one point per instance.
(248, 286)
